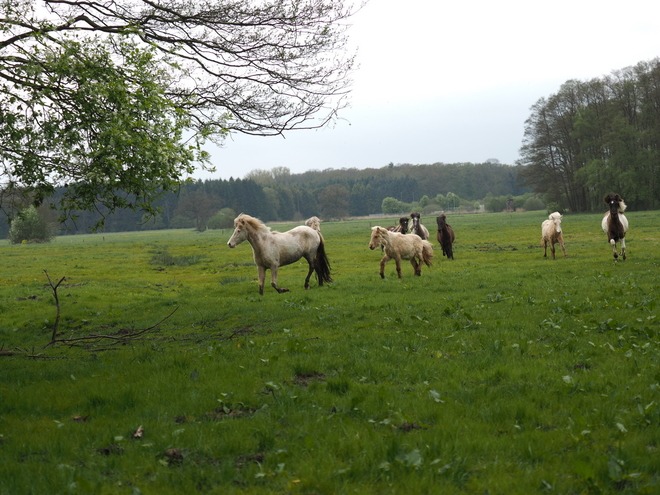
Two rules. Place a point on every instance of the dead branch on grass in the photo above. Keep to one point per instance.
(123, 336)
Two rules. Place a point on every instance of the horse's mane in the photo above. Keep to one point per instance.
(252, 222)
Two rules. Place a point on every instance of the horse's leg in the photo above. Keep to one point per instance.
(616, 255)
(417, 267)
(623, 248)
(273, 279)
(563, 248)
(261, 271)
(545, 248)
(552, 249)
(309, 274)
(384, 260)
(397, 260)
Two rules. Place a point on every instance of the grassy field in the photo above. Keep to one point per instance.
(500, 372)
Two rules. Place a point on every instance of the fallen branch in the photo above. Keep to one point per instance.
(121, 337)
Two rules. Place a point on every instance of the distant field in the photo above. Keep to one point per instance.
(498, 372)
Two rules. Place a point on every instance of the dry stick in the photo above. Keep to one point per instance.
(123, 338)
(57, 303)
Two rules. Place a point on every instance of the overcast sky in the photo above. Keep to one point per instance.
(454, 81)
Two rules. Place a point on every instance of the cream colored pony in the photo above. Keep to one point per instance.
(274, 249)
(401, 247)
(551, 234)
(314, 223)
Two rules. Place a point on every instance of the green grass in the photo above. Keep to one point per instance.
(499, 372)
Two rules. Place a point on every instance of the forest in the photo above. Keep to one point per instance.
(596, 136)
(278, 195)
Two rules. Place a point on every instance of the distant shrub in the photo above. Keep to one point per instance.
(182, 222)
(224, 219)
(533, 204)
(30, 226)
(553, 206)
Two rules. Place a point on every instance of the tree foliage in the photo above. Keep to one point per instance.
(31, 225)
(597, 136)
(113, 100)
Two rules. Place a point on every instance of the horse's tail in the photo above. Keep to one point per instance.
(427, 253)
(321, 263)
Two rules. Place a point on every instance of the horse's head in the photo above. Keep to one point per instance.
(314, 223)
(240, 231)
(377, 234)
(403, 222)
(441, 221)
(615, 203)
(415, 219)
(556, 219)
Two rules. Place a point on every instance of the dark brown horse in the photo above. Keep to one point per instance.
(446, 236)
(402, 227)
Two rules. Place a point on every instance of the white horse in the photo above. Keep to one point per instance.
(400, 246)
(314, 223)
(615, 223)
(274, 249)
(551, 234)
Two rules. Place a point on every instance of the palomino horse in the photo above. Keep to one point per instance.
(445, 236)
(399, 246)
(402, 227)
(417, 227)
(274, 249)
(615, 223)
(551, 234)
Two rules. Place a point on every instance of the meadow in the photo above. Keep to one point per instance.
(500, 372)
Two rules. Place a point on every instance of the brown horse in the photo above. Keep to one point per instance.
(445, 236)
(402, 227)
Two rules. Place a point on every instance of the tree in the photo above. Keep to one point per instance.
(198, 206)
(30, 225)
(113, 100)
(391, 205)
(452, 200)
(333, 201)
(224, 219)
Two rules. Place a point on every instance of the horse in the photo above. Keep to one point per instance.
(314, 223)
(445, 236)
(615, 223)
(273, 249)
(551, 234)
(417, 227)
(400, 246)
(402, 227)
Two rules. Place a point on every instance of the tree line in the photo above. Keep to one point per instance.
(279, 195)
(597, 136)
